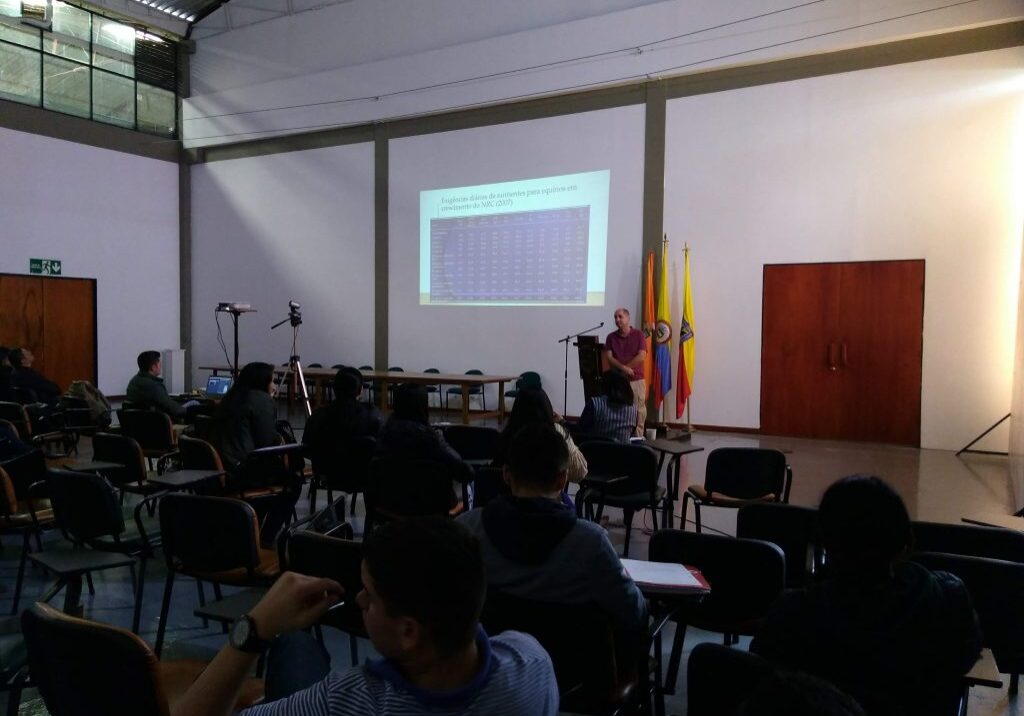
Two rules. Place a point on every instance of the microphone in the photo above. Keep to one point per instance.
(602, 325)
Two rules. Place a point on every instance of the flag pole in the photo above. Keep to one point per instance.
(689, 399)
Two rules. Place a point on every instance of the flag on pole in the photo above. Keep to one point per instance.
(662, 335)
(648, 325)
(684, 384)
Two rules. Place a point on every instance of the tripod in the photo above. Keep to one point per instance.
(294, 364)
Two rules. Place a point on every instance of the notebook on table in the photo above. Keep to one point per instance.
(665, 577)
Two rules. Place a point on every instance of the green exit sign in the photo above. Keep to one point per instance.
(49, 267)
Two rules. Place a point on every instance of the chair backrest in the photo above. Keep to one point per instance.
(488, 483)
(719, 679)
(432, 370)
(969, 540)
(638, 462)
(82, 667)
(204, 427)
(10, 426)
(345, 465)
(318, 555)
(123, 450)
(579, 638)
(151, 429)
(474, 371)
(85, 505)
(745, 575)
(529, 379)
(747, 473)
(406, 488)
(203, 534)
(473, 442)
(25, 470)
(997, 591)
(16, 414)
(25, 396)
(196, 454)
(793, 528)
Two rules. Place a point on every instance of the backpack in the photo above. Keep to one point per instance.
(97, 403)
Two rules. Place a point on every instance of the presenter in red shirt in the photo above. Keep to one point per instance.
(625, 351)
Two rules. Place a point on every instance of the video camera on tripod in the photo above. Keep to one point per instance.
(294, 364)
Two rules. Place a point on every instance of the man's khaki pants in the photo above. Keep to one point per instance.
(640, 401)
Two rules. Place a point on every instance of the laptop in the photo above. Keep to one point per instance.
(217, 386)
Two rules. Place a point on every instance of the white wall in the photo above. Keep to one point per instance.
(924, 160)
(509, 339)
(109, 216)
(295, 226)
(340, 64)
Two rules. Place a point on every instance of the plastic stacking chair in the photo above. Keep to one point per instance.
(435, 389)
(529, 379)
(216, 540)
(794, 529)
(969, 540)
(623, 476)
(24, 510)
(719, 679)
(399, 488)
(746, 576)
(132, 476)
(345, 468)
(736, 476)
(55, 443)
(82, 667)
(153, 431)
(369, 387)
(474, 390)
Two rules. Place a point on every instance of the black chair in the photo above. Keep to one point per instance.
(399, 488)
(735, 476)
(528, 379)
(337, 558)
(969, 540)
(88, 512)
(477, 390)
(154, 433)
(488, 483)
(211, 539)
(719, 679)
(369, 386)
(14, 676)
(997, 590)
(24, 396)
(54, 442)
(83, 668)
(794, 529)
(435, 389)
(596, 675)
(623, 476)
(132, 476)
(24, 510)
(345, 468)
(473, 442)
(745, 575)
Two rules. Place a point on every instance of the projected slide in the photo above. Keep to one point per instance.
(524, 243)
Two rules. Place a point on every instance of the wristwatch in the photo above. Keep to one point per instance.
(245, 637)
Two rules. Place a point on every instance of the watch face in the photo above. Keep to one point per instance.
(240, 632)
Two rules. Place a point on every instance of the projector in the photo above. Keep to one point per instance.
(234, 307)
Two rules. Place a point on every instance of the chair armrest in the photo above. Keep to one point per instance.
(602, 482)
(51, 437)
(146, 503)
(277, 450)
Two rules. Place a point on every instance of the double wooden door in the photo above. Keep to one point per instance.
(841, 351)
(55, 318)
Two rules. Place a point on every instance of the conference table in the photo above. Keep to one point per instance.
(323, 377)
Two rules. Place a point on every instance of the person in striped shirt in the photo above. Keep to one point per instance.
(612, 415)
(423, 593)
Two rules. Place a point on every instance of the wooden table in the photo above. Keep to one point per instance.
(322, 377)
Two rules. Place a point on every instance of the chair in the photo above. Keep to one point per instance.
(83, 668)
(997, 588)
(14, 676)
(391, 386)
(529, 379)
(211, 539)
(794, 529)
(153, 431)
(595, 674)
(719, 679)
(311, 385)
(434, 389)
(24, 511)
(336, 558)
(24, 396)
(345, 468)
(969, 540)
(736, 476)
(473, 442)
(87, 510)
(623, 476)
(132, 476)
(477, 390)
(54, 443)
(745, 576)
(400, 488)
(368, 386)
(488, 483)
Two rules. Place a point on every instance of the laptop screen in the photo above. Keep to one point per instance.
(218, 385)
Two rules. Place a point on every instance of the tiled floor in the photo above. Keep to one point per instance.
(935, 484)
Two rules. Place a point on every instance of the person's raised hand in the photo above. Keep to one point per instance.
(293, 603)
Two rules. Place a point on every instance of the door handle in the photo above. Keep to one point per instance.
(832, 356)
(842, 354)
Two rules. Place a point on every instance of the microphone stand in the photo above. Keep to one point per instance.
(565, 378)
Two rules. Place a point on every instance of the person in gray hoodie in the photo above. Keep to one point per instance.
(534, 546)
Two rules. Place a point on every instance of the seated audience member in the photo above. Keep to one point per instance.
(146, 388)
(535, 547)
(23, 376)
(889, 632)
(345, 417)
(246, 420)
(533, 407)
(436, 658)
(11, 445)
(6, 391)
(613, 414)
(407, 432)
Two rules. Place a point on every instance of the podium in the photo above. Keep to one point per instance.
(591, 357)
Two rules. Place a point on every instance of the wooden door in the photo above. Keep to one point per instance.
(841, 351)
(55, 318)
